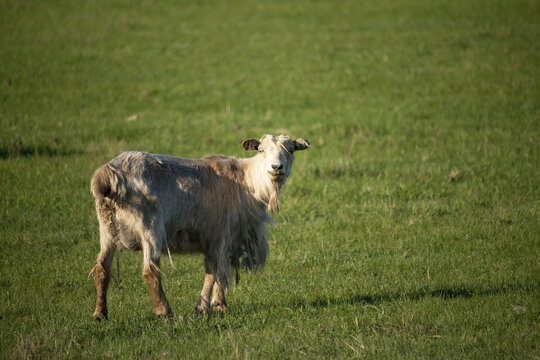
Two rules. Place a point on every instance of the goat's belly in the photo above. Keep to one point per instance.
(129, 240)
(125, 236)
(185, 241)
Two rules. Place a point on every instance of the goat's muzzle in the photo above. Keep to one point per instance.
(276, 176)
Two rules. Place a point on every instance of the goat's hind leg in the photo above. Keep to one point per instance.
(218, 299)
(102, 273)
(152, 275)
(203, 305)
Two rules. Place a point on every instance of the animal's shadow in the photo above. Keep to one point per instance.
(449, 292)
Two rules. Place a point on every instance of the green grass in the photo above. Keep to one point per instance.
(410, 229)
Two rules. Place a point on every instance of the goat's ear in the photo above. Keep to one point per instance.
(301, 144)
(251, 145)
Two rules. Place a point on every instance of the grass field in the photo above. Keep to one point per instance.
(410, 229)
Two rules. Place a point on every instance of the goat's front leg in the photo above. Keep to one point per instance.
(218, 299)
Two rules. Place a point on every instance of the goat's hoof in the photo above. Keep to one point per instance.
(203, 308)
(99, 316)
(221, 307)
(164, 314)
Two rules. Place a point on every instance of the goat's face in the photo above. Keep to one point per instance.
(276, 154)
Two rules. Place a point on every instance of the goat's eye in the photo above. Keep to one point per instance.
(261, 150)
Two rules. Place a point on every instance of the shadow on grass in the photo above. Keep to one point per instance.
(17, 148)
(456, 292)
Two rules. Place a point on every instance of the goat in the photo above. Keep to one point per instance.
(217, 205)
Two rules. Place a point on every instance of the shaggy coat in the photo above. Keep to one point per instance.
(216, 205)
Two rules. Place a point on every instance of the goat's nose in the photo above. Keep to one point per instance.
(277, 166)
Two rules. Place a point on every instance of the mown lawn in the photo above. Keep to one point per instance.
(410, 229)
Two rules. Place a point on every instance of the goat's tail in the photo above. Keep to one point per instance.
(108, 187)
(107, 183)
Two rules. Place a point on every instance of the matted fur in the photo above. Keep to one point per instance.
(216, 205)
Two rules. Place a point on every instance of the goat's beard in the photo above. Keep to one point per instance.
(273, 203)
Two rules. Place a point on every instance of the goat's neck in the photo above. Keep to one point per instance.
(262, 188)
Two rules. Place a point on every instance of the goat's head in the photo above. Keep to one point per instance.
(276, 154)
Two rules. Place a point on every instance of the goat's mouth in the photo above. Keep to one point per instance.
(276, 175)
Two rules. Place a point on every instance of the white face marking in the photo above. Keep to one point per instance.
(277, 155)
